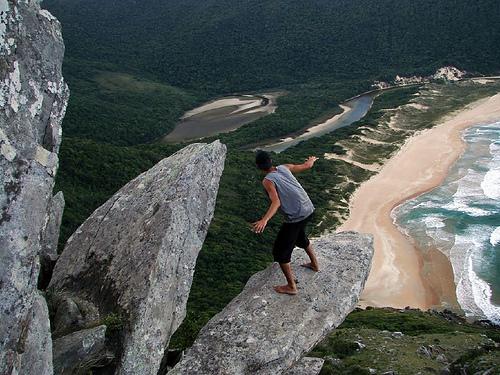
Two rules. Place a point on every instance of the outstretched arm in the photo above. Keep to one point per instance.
(308, 164)
(259, 226)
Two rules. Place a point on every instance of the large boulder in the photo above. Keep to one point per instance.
(37, 351)
(307, 366)
(80, 351)
(33, 98)
(263, 332)
(134, 257)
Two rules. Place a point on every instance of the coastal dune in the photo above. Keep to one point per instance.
(403, 275)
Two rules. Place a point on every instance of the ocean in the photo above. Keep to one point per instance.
(461, 218)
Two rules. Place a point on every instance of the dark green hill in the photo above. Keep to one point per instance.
(227, 45)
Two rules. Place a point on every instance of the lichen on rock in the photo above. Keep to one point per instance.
(31, 54)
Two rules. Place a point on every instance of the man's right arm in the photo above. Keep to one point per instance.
(260, 225)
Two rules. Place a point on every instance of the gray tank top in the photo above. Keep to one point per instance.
(295, 203)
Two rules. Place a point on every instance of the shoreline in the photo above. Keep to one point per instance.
(403, 275)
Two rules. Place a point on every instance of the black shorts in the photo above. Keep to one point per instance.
(289, 236)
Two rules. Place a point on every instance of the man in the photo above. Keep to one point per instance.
(287, 195)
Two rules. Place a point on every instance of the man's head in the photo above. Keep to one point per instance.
(263, 161)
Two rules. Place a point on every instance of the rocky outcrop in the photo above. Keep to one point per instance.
(135, 255)
(49, 239)
(446, 73)
(37, 351)
(262, 332)
(33, 98)
(78, 352)
(307, 366)
(67, 317)
(449, 73)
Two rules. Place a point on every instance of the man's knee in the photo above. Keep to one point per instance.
(303, 243)
(282, 255)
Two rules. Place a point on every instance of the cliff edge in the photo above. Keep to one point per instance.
(262, 332)
(33, 99)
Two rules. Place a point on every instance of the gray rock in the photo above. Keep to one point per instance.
(263, 332)
(361, 346)
(77, 352)
(333, 361)
(307, 366)
(50, 235)
(441, 358)
(425, 351)
(397, 335)
(37, 356)
(135, 255)
(68, 317)
(33, 98)
(49, 239)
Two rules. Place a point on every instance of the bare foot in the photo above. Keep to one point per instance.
(310, 266)
(285, 289)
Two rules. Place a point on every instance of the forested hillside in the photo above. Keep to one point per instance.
(225, 45)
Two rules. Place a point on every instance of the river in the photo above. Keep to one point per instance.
(222, 116)
(353, 110)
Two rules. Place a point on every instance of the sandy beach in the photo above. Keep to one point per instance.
(401, 274)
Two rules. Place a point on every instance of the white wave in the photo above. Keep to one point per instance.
(461, 205)
(491, 184)
(468, 191)
(468, 185)
(465, 245)
(495, 237)
(495, 149)
(482, 295)
(434, 221)
(428, 204)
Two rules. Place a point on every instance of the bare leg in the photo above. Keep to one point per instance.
(313, 265)
(290, 287)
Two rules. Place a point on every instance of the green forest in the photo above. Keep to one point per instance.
(221, 46)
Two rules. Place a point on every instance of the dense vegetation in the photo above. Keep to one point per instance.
(222, 46)
(119, 108)
(409, 342)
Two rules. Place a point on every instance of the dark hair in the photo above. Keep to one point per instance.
(263, 160)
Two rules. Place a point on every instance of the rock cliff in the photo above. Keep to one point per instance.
(33, 98)
(135, 255)
(307, 366)
(262, 332)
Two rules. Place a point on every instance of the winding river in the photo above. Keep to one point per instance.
(229, 113)
(353, 110)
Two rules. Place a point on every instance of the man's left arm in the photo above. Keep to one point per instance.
(297, 168)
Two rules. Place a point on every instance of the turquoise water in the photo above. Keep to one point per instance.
(462, 219)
